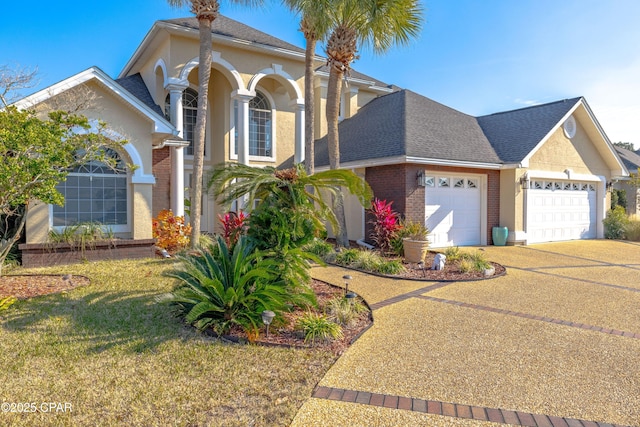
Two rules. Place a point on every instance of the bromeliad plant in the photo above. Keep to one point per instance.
(385, 224)
(234, 225)
(220, 287)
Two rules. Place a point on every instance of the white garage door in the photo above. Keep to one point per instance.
(560, 210)
(453, 210)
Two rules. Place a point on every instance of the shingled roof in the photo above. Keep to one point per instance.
(135, 85)
(514, 134)
(404, 123)
(228, 27)
(407, 124)
(630, 159)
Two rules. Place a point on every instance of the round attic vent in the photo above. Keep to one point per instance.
(570, 127)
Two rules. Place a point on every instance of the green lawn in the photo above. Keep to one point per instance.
(116, 357)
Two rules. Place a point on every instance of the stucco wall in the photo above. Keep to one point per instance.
(125, 121)
(578, 154)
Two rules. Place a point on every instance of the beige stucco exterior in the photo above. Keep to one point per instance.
(124, 121)
(587, 156)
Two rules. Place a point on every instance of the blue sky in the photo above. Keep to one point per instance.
(477, 56)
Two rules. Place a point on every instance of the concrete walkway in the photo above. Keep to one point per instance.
(554, 342)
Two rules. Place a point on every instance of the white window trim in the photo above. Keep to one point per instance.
(232, 131)
(118, 228)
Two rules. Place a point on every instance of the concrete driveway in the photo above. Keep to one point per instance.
(554, 342)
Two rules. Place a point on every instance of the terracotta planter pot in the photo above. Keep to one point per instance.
(414, 250)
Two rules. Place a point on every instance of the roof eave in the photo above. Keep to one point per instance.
(386, 161)
(161, 125)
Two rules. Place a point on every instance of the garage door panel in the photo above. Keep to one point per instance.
(561, 211)
(453, 212)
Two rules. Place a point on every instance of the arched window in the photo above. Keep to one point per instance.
(94, 192)
(260, 126)
(189, 114)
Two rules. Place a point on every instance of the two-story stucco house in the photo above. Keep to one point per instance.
(543, 171)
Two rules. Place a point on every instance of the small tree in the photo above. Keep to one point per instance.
(37, 154)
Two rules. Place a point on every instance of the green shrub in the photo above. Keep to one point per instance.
(632, 230)
(81, 236)
(478, 260)
(465, 265)
(347, 257)
(7, 302)
(344, 312)
(615, 223)
(367, 260)
(318, 327)
(390, 267)
(219, 288)
(453, 253)
(319, 248)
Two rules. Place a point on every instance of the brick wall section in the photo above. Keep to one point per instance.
(44, 255)
(398, 183)
(162, 173)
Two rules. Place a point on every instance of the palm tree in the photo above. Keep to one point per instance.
(314, 24)
(378, 24)
(206, 12)
(233, 181)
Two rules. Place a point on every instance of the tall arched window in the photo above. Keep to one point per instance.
(189, 114)
(260, 126)
(94, 192)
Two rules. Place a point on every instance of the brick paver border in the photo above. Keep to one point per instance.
(455, 410)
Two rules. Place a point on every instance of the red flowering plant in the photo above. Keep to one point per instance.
(170, 231)
(385, 224)
(234, 225)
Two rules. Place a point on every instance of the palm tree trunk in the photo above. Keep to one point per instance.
(334, 90)
(204, 73)
(309, 114)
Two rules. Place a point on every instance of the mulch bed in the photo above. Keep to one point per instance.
(287, 336)
(29, 286)
(450, 273)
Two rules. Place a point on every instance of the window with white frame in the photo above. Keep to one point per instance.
(260, 126)
(94, 192)
(189, 114)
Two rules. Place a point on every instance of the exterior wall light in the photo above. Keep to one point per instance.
(421, 179)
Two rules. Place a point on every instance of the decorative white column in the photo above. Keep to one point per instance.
(299, 136)
(243, 125)
(177, 158)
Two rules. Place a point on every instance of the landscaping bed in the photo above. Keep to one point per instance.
(286, 334)
(33, 285)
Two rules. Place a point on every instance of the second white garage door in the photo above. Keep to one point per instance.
(453, 210)
(560, 210)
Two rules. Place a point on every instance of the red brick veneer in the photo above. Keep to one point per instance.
(398, 183)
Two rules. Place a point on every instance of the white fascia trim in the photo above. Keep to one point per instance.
(232, 41)
(385, 161)
(623, 171)
(138, 52)
(454, 163)
(161, 125)
(526, 160)
(581, 102)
